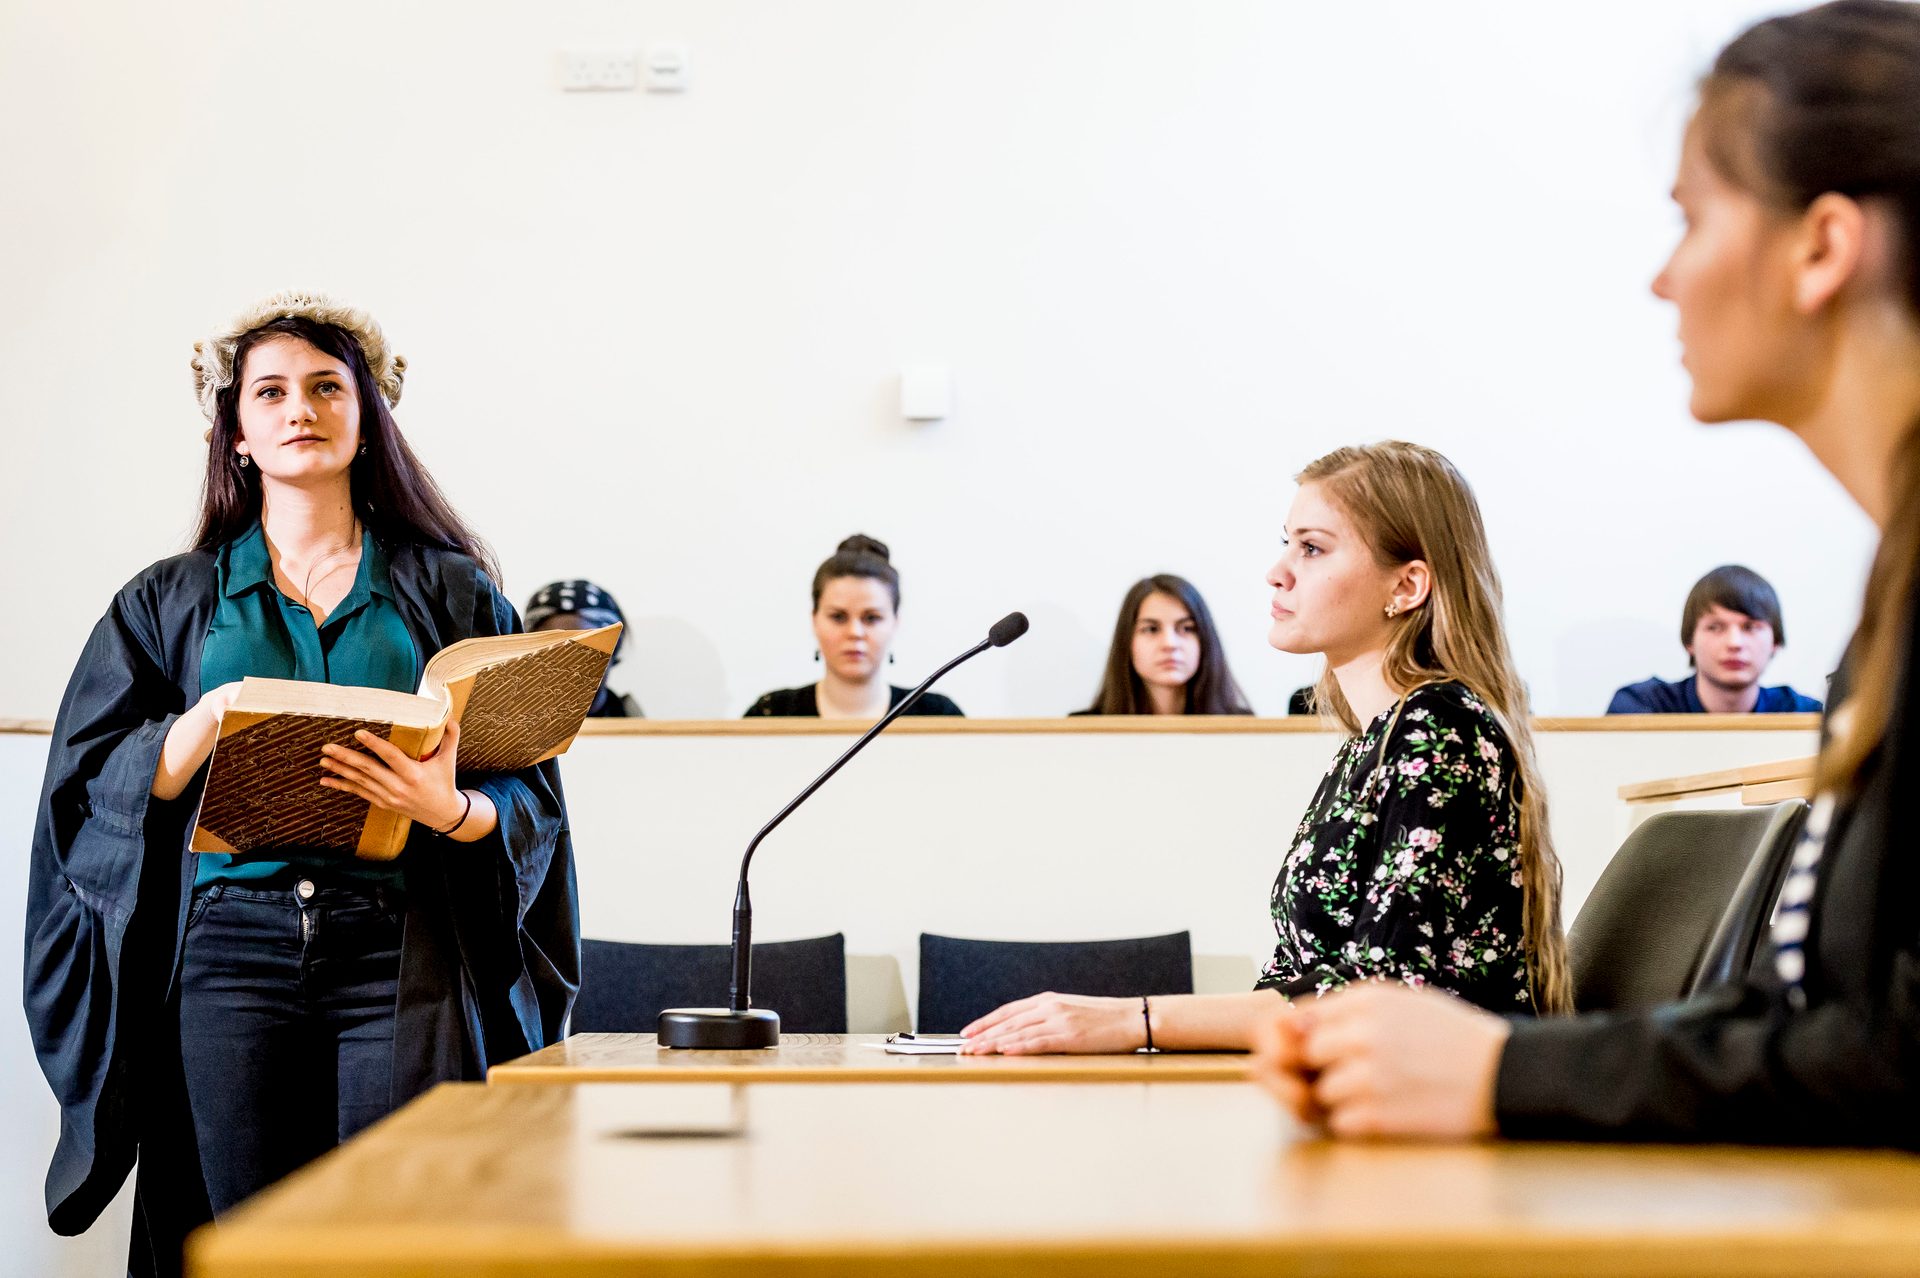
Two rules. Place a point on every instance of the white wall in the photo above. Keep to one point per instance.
(1171, 251)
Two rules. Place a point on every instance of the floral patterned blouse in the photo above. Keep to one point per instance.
(1406, 865)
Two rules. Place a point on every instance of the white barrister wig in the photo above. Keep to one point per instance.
(213, 368)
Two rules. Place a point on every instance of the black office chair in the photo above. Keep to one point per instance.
(624, 986)
(1738, 944)
(962, 980)
(1643, 934)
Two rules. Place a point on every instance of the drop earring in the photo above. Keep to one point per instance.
(363, 450)
(816, 655)
(890, 658)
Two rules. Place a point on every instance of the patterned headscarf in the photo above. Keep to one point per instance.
(578, 598)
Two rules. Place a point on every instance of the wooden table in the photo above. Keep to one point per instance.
(844, 1058)
(1029, 1179)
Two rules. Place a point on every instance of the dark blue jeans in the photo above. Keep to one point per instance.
(286, 1025)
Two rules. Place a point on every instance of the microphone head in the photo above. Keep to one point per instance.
(1007, 629)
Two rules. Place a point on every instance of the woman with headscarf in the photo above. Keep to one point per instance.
(581, 605)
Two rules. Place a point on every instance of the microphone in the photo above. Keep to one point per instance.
(740, 1024)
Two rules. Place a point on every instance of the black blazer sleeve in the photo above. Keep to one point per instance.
(1735, 1065)
(1837, 1064)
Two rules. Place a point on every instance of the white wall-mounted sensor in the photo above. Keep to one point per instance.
(666, 68)
(926, 392)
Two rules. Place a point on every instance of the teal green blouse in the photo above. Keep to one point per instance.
(260, 632)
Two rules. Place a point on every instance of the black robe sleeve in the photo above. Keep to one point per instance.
(89, 870)
(515, 899)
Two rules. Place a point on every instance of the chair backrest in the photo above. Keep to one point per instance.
(1736, 944)
(1642, 932)
(961, 980)
(876, 995)
(625, 986)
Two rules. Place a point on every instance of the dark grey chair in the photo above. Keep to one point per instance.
(962, 980)
(624, 986)
(1738, 944)
(1644, 933)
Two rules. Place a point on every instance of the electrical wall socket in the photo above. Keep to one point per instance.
(599, 70)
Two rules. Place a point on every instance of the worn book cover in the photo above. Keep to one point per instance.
(519, 700)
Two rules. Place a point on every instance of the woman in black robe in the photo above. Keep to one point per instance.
(477, 959)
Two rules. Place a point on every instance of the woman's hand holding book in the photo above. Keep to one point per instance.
(422, 790)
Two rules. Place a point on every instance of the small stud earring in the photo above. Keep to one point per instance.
(1393, 609)
(363, 450)
(245, 461)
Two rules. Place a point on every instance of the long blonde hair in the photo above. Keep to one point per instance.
(1409, 503)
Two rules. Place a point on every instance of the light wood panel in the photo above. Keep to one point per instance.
(1195, 725)
(511, 1182)
(844, 1058)
(1756, 783)
(1191, 725)
(1775, 791)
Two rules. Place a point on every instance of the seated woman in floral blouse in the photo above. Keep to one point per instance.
(1424, 858)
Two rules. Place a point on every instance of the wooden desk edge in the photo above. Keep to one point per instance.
(1228, 1068)
(1724, 779)
(1196, 725)
(300, 1251)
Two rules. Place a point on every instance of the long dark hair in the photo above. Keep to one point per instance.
(1828, 101)
(393, 495)
(1212, 689)
(858, 556)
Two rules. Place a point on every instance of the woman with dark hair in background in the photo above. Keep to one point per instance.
(1797, 284)
(1166, 656)
(856, 608)
(226, 1018)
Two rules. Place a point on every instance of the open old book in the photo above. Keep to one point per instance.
(519, 699)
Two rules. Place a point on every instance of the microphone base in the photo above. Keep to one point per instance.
(719, 1028)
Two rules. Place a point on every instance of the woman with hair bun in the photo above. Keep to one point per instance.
(856, 607)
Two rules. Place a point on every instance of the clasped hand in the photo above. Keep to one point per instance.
(422, 790)
(1057, 1023)
(1383, 1060)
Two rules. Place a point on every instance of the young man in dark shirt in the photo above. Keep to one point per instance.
(1731, 629)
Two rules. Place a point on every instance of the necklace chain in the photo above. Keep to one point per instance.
(352, 544)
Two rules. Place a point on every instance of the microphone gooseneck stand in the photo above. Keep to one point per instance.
(740, 1024)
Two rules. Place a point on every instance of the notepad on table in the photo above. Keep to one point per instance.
(923, 1044)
